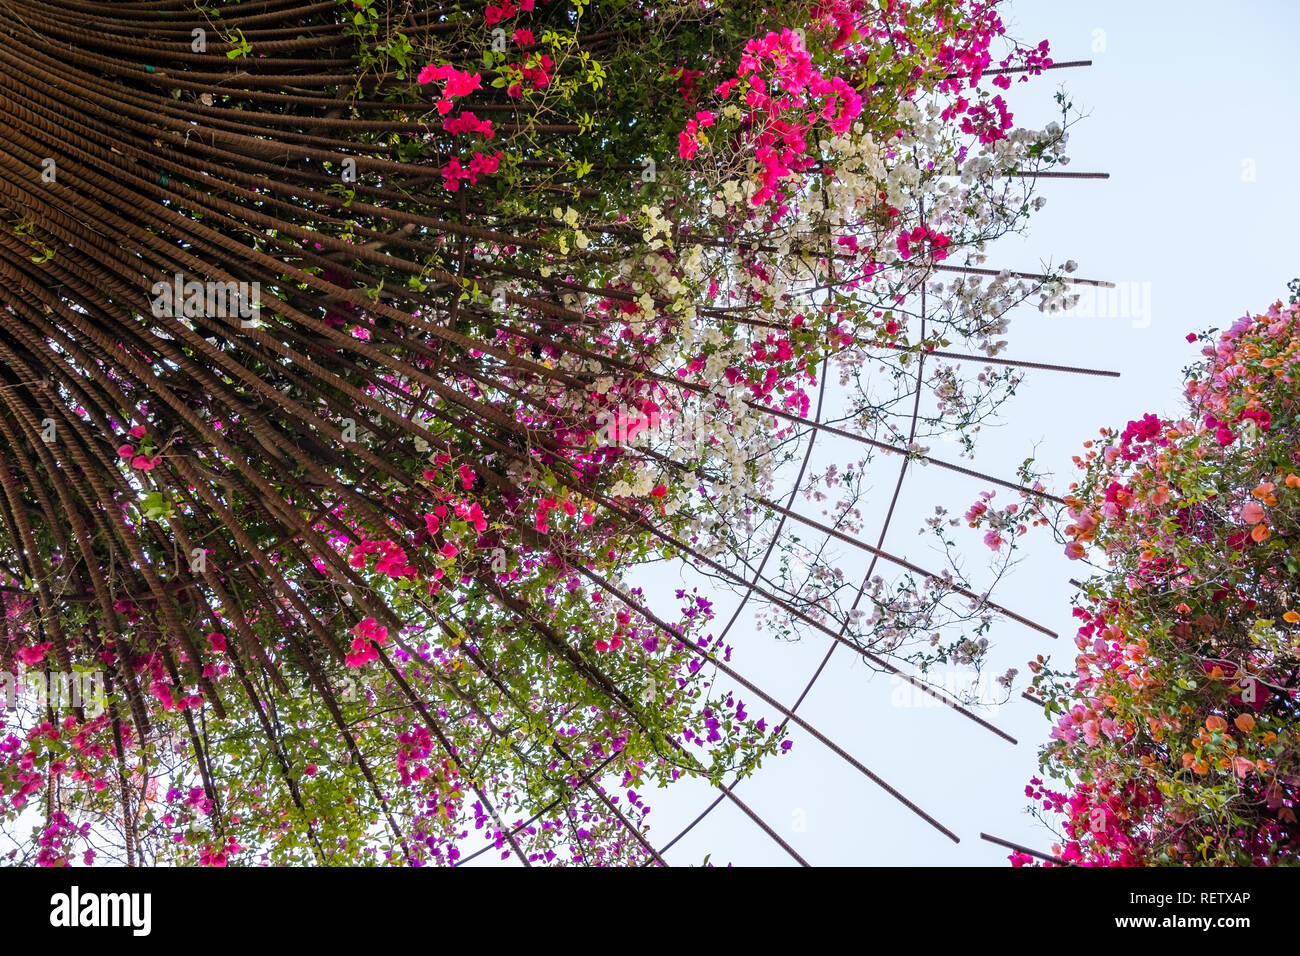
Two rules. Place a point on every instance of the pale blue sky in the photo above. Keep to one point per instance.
(1184, 97)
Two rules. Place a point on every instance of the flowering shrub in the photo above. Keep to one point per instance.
(1176, 734)
(361, 575)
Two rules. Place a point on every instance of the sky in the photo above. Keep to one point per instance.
(1192, 109)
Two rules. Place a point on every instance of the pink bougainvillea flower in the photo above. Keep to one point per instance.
(452, 174)
(31, 656)
(462, 84)
(367, 633)
(495, 14)
(482, 163)
(212, 857)
(916, 241)
(163, 693)
(467, 122)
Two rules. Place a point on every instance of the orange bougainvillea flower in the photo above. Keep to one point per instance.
(1223, 641)
(1264, 492)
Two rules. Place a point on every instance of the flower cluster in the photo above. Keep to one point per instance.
(1176, 729)
(369, 635)
(141, 455)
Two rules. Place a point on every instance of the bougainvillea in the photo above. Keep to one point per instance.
(545, 291)
(1175, 738)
